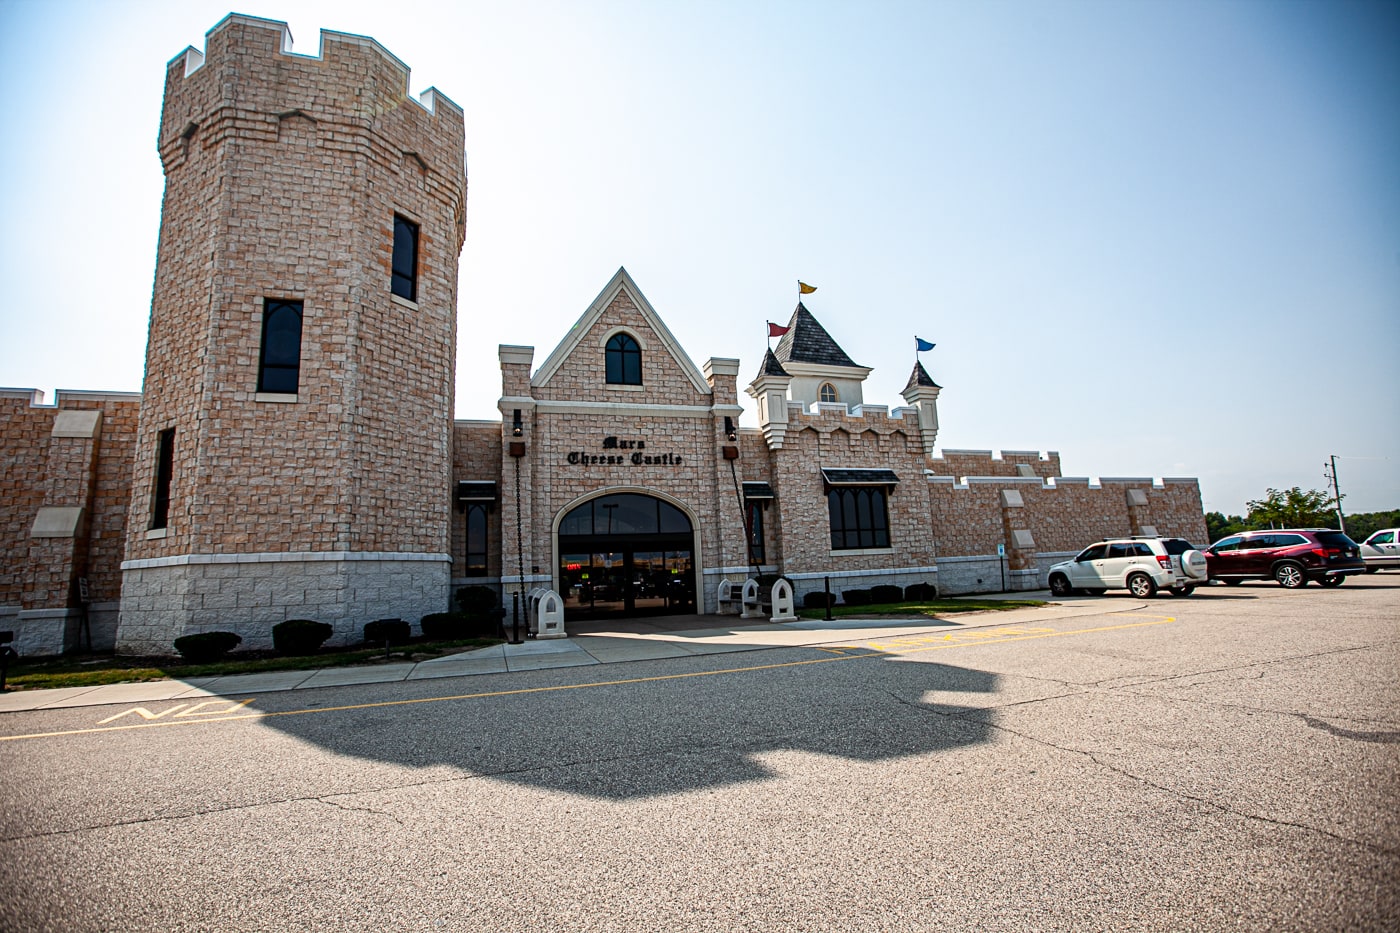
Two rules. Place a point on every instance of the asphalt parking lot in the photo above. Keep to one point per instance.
(1221, 761)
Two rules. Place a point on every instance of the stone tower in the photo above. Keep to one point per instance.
(294, 451)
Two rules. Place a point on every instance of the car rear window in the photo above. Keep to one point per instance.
(1334, 539)
(1177, 546)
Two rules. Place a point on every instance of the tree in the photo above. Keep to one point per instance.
(1219, 525)
(1292, 508)
(1361, 525)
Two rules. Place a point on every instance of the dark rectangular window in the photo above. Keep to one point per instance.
(859, 517)
(755, 530)
(405, 280)
(165, 469)
(279, 366)
(476, 541)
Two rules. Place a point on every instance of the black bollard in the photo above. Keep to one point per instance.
(827, 584)
(515, 618)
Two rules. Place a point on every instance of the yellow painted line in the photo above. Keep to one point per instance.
(491, 694)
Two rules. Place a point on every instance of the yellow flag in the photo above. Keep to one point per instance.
(804, 289)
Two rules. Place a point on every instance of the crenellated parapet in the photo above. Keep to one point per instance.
(1020, 463)
(249, 87)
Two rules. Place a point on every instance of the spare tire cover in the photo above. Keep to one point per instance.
(1193, 563)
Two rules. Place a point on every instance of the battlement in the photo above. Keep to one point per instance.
(833, 416)
(248, 81)
(1005, 463)
(35, 397)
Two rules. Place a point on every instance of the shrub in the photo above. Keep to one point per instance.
(300, 636)
(920, 592)
(446, 626)
(884, 593)
(818, 599)
(394, 631)
(473, 600)
(206, 647)
(855, 597)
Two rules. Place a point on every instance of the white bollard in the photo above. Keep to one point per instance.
(782, 602)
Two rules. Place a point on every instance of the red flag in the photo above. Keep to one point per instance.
(775, 330)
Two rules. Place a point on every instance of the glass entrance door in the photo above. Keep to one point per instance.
(626, 554)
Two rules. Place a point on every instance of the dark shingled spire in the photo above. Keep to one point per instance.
(808, 342)
(771, 366)
(920, 377)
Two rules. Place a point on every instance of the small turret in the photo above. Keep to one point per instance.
(770, 389)
(820, 370)
(922, 394)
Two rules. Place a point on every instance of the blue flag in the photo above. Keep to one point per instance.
(920, 345)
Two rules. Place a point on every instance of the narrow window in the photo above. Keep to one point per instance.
(827, 393)
(279, 368)
(755, 530)
(859, 517)
(405, 279)
(165, 469)
(476, 541)
(624, 361)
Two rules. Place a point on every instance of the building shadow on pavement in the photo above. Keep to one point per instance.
(657, 733)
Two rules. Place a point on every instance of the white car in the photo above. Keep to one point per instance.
(1381, 551)
(1141, 564)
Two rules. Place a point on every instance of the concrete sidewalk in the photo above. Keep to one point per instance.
(576, 651)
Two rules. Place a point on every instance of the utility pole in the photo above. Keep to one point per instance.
(1337, 494)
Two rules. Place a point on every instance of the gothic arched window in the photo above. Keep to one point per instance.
(624, 360)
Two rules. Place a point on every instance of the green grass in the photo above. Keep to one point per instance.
(96, 670)
(931, 608)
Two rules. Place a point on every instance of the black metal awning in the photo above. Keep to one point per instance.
(859, 477)
(476, 491)
(758, 491)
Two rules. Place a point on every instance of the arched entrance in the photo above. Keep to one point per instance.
(626, 554)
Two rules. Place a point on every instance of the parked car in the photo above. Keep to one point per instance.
(1381, 551)
(1142, 564)
(1292, 556)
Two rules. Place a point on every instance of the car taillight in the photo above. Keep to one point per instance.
(1165, 560)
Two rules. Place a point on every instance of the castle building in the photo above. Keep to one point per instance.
(293, 452)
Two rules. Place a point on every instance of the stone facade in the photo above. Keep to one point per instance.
(65, 481)
(349, 499)
(284, 174)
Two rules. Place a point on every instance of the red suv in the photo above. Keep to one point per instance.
(1292, 556)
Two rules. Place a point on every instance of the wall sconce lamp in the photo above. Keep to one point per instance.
(517, 430)
(730, 450)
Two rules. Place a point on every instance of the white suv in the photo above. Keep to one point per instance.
(1142, 564)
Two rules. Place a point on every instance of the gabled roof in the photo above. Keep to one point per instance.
(771, 367)
(808, 342)
(619, 283)
(920, 377)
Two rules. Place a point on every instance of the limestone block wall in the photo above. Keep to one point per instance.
(283, 176)
(476, 456)
(833, 438)
(582, 375)
(25, 425)
(991, 463)
(65, 475)
(250, 593)
(970, 519)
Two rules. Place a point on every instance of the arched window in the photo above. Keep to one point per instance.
(476, 541)
(279, 367)
(624, 361)
(827, 393)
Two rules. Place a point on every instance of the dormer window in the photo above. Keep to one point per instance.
(827, 393)
(624, 360)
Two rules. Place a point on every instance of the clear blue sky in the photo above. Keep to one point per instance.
(1160, 238)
